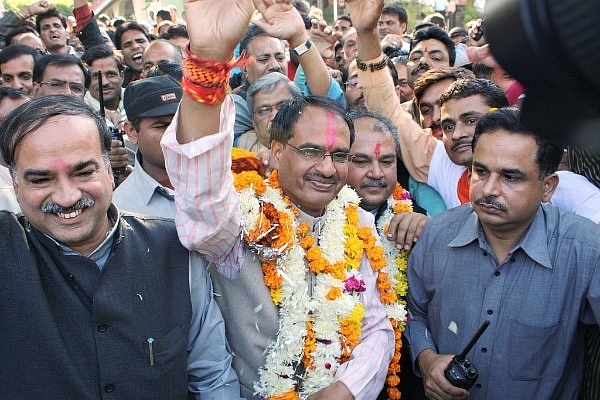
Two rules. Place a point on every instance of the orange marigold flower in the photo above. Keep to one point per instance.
(394, 368)
(334, 293)
(393, 393)
(291, 395)
(393, 380)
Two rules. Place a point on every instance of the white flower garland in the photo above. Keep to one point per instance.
(277, 376)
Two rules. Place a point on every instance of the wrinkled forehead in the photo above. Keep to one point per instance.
(264, 44)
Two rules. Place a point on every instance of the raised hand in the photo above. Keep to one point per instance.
(365, 13)
(216, 26)
(280, 20)
(324, 37)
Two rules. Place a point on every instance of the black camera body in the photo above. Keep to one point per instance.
(461, 372)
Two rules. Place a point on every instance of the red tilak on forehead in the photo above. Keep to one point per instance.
(426, 49)
(60, 164)
(330, 134)
(377, 150)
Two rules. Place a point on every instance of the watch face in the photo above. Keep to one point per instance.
(303, 48)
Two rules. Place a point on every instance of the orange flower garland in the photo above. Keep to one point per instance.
(394, 290)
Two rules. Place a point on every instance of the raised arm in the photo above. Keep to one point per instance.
(197, 144)
(283, 21)
(218, 26)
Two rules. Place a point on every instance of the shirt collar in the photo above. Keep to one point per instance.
(533, 243)
(100, 253)
(145, 185)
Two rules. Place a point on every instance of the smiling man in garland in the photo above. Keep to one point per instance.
(305, 314)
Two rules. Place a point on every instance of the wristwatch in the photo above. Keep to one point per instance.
(303, 48)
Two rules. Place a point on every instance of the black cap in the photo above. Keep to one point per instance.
(550, 46)
(152, 97)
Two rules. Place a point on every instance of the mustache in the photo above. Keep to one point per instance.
(53, 208)
(315, 175)
(421, 67)
(491, 201)
(461, 142)
(373, 183)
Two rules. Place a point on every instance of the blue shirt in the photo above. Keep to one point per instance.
(536, 300)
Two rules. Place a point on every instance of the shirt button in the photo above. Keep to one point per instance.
(109, 388)
(497, 273)
(478, 386)
(102, 328)
(490, 312)
(484, 349)
(485, 253)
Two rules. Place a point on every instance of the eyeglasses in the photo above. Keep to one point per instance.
(266, 110)
(352, 83)
(108, 75)
(318, 155)
(60, 86)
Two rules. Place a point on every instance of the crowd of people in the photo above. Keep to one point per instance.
(261, 205)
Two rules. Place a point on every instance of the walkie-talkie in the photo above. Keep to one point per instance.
(115, 133)
(461, 372)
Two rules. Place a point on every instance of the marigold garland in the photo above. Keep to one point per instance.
(394, 287)
(330, 320)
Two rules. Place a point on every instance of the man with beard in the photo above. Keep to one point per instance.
(121, 308)
(131, 38)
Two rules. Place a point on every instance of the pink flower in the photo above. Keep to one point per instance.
(352, 284)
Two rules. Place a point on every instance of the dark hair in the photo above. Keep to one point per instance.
(16, 50)
(127, 26)
(59, 60)
(164, 14)
(252, 32)
(397, 10)
(433, 32)
(434, 76)
(493, 96)
(175, 31)
(381, 124)
(548, 155)
(282, 127)
(102, 51)
(26, 27)
(50, 14)
(30, 116)
(345, 17)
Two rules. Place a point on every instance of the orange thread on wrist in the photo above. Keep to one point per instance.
(207, 81)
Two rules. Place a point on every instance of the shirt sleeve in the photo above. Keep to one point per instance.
(210, 371)
(416, 145)
(208, 216)
(365, 372)
(334, 92)
(417, 331)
